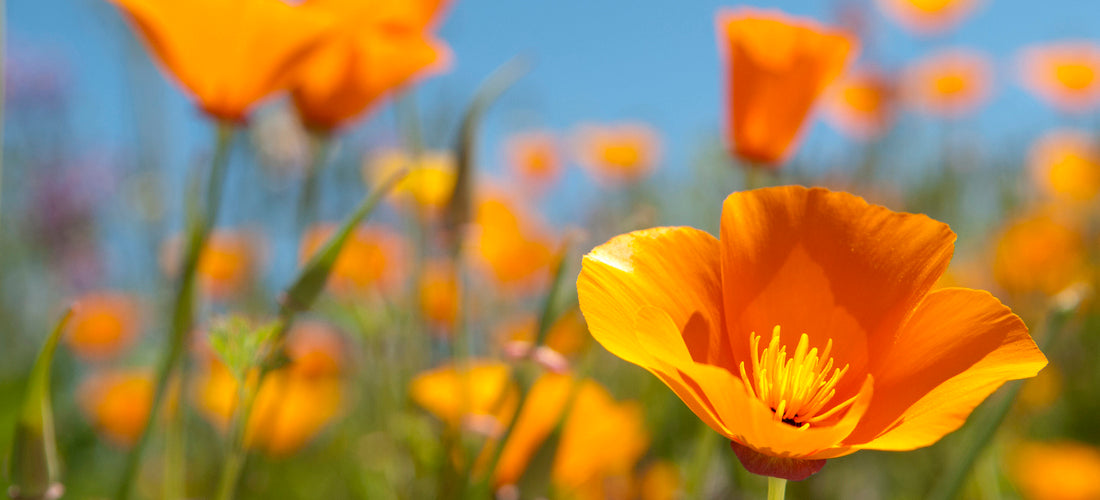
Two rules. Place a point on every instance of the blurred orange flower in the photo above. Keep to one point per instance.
(439, 293)
(617, 154)
(1040, 252)
(103, 325)
(568, 335)
(927, 17)
(117, 403)
(512, 246)
(1065, 164)
(814, 282)
(293, 404)
(428, 185)
(226, 263)
(1063, 470)
(1066, 75)
(660, 481)
(776, 67)
(378, 46)
(373, 258)
(535, 157)
(861, 104)
(601, 439)
(948, 84)
(228, 55)
(477, 394)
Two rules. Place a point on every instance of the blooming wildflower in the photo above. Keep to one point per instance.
(1066, 74)
(617, 154)
(103, 325)
(948, 84)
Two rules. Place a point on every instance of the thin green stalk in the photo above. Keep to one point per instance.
(777, 488)
(182, 316)
(984, 431)
(300, 296)
(700, 462)
(319, 142)
(175, 447)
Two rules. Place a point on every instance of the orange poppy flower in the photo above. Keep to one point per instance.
(1040, 253)
(512, 246)
(372, 258)
(1057, 471)
(660, 481)
(378, 46)
(927, 17)
(809, 330)
(478, 394)
(1066, 165)
(428, 185)
(228, 55)
(293, 404)
(439, 294)
(103, 325)
(1066, 74)
(617, 154)
(567, 335)
(534, 156)
(117, 403)
(776, 67)
(860, 104)
(226, 263)
(948, 84)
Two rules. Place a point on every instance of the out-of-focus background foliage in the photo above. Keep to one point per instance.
(99, 147)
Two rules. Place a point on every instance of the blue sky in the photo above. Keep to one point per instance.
(596, 60)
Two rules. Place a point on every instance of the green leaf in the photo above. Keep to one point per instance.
(240, 344)
(35, 467)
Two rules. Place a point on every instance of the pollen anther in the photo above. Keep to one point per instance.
(797, 388)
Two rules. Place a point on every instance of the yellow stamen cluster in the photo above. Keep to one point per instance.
(797, 388)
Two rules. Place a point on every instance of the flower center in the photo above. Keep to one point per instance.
(797, 388)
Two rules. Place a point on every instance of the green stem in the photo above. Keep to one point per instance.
(183, 308)
(307, 200)
(700, 462)
(777, 488)
(175, 447)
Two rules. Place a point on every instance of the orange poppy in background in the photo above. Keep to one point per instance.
(617, 154)
(478, 394)
(776, 67)
(511, 245)
(428, 185)
(117, 403)
(1066, 74)
(439, 294)
(378, 46)
(567, 335)
(1041, 253)
(226, 263)
(373, 258)
(227, 54)
(1064, 470)
(103, 325)
(1066, 165)
(534, 157)
(813, 282)
(948, 84)
(294, 403)
(927, 17)
(861, 104)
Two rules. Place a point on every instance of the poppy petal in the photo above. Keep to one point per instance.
(827, 264)
(957, 348)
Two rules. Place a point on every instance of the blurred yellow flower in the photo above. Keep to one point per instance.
(428, 185)
(373, 258)
(103, 325)
(439, 295)
(1040, 253)
(478, 394)
(1063, 470)
(534, 157)
(117, 403)
(377, 47)
(861, 104)
(294, 403)
(927, 16)
(948, 84)
(660, 481)
(1066, 165)
(1064, 74)
(617, 154)
(227, 54)
(777, 66)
